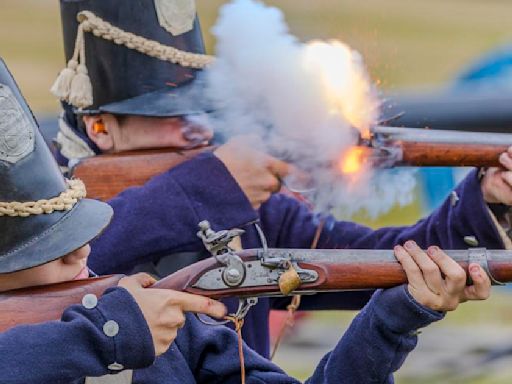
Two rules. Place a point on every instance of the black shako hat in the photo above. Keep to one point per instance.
(132, 57)
(42, 216)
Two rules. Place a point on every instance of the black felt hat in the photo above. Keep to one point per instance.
(42, 216)
(142, 57)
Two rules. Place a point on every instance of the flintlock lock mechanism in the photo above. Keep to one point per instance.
(217, 243)
(273, 267)
(267, 270)
(234, 273)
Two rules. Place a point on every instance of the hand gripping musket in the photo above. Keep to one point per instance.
(248, 275)
(107, 175)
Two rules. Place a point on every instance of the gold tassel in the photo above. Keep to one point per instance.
(80, 94)
(62, 85)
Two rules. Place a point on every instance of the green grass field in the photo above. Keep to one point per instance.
(405, 44)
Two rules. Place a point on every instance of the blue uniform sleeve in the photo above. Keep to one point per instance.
(212, 354)
(374, 346)
(378, 340)
(446, 227)
(85, 342)
(161, 217)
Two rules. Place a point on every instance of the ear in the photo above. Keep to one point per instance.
(102, 138)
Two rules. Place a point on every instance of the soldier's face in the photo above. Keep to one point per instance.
(73, 266)
(140, 132)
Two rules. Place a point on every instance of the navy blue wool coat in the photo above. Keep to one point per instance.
(161, 217)
(67, 351)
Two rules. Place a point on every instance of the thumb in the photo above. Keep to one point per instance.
(480, 289)
(278, 167)
(140, 280)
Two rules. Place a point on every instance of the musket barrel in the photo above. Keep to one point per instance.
(441, 136)
(336, 270)
(426, 147)
(341, 269)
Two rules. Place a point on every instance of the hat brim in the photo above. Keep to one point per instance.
(76, 228)
(188, 99)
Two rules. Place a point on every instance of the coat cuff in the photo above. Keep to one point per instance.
(507, 242)
(122, 321)
(222, 202)
(474, 221)
(396, 309)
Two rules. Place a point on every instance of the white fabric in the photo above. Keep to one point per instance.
(70, 144)
(176, 16)
(124, 377)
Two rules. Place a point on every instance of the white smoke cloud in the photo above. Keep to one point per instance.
(303, 100)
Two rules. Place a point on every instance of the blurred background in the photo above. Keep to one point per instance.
(406, 44)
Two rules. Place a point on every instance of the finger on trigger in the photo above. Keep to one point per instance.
(199, 304)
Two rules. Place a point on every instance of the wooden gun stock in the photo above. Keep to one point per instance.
(107, 175)
(328, 271)
(48, 302)
(451, 155)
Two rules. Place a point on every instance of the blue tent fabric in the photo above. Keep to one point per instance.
(494, 65)
(437, 184)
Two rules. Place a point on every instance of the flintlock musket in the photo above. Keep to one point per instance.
(248, 275)
(107, 175)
